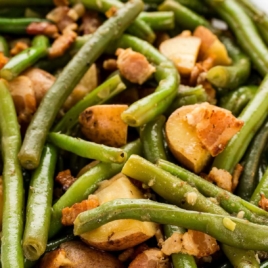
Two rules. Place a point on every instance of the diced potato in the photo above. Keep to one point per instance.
(183, 51)
(211, 46)
(183, 141)
(119, 234)
(103, 124)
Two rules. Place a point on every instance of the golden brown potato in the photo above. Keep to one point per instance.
(103, 124)
(119, 234)
(151, 258)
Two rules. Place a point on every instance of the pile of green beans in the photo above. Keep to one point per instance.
(53, 142)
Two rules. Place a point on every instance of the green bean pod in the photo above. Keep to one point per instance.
(230, 77)
(249, 179)
(159, 21)
(44, 117)
(39, 205)
(26, 58)
(13, 193)
(253, 116)
(184, 17)
(88, 149)
(231, 203)
(236, 101)
(138, 28)
(101, 94)
(245, 31)
(237, 234)
(86, 185)
(4, 46)
(264, 264)
(147, 108)
(17, 25)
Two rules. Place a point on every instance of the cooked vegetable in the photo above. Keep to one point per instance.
(35, 137)
(4, 46)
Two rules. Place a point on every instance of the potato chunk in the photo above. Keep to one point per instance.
(183, 51)
(119, 234)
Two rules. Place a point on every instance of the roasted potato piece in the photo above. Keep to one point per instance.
(103, 124)
(183, 51)
(119, 234)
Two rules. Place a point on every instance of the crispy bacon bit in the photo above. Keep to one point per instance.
(90, 22)
(110, 65)
(69, 214)
(211, 92)
(19, 47)
(236, 175)
(65, 178)
(3, 60)
(221, 177)
(111, 12)
(45, 28)
(263, 203)
(134, 66)
(214, 126)
(150, 258)
(61, 2)
(192, 242)
(61, 44)
(55, 259)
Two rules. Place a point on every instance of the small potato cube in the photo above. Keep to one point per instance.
(103, 124)
(183, 51)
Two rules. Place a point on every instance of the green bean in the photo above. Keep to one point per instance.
(249, 179)
(179, 260)
(183, 16)
(145, 210)
(88, 149)
(26, 58)
(39, 205)
(13, 197)
(230, 77)
(147, 108)
(25, 3)
(158, 20)
(86, 185)
(4, 46)
(244, 29)
(264, 264)
(37, 131)
(238, 258)
(236, 101)
(101, 94)
(152, 139)
(18, 25)
(253, 116)
(138, 28)
(231, 203)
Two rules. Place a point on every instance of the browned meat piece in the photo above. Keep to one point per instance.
(263, 203)
(221, 177)
(134, 66)
(111, 12)
(45, 28)
(61, 2)
(3, 60)
(70, 214)
(90, 22)
(55, 259)
(65, 178)
(19, 47)
(236, 175)
(110, 65)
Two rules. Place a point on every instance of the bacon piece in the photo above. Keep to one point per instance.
(134, 66)
(65, 179)
(55, 259)
(19, 47)
(44, 28)
(236, 175)
(90, 22)
(3, 60)
(221, 177)
(110, 65)
(263, 203)
(70, 214)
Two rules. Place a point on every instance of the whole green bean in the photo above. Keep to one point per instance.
(230, 77)
(37, 131)
(18, 25)
(249, 179)
(264, 264)
(39, 205)
(231, 203)
(245, 31)
(253, 116)
(86, 185)
(4, 46)
(236, 101)
(159, 20)
(101, 94)
(147, 108)
(145, 210)
(13, 197)
(184, 17)
(88, 149)
(26, 58)
(138, 28)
